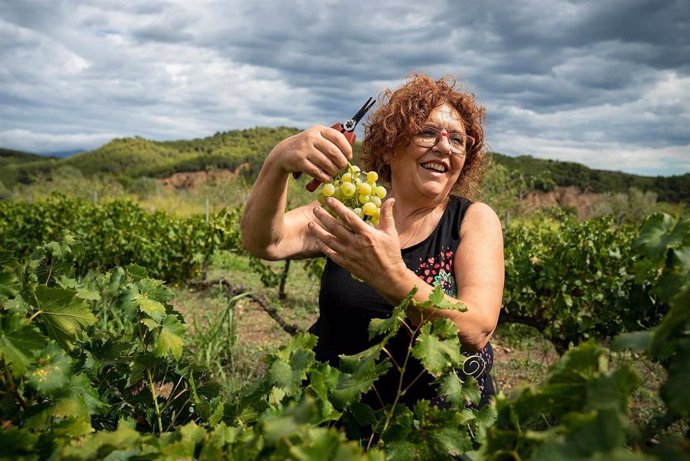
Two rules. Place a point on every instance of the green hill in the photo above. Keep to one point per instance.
(548, 173)
(137, 157)
(14, 157)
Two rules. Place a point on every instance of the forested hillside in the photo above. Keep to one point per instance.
(138, 157)
(546, 174)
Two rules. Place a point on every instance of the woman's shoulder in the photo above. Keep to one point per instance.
(480, 217)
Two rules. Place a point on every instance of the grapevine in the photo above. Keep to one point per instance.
(358, 191)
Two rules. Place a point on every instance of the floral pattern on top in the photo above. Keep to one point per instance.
(438, 270)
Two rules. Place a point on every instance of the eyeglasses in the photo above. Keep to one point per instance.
(459, 143)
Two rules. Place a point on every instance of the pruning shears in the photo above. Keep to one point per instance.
(348, 129)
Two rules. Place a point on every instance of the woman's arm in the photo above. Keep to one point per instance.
(267, 230)
(374, 256)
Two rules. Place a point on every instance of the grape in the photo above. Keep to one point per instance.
(348, 189)
(328, 190)
(358, 191)
(369, 209)
(364, 188)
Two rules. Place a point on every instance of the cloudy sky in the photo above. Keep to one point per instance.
(604, 83)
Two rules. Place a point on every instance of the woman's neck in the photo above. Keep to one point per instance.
(415, 222)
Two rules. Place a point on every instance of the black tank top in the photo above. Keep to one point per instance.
(346, 306)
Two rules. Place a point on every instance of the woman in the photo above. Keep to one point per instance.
(426, 142)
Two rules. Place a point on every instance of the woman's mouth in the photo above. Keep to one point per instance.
(438, 167)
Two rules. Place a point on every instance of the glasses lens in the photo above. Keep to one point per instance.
(429, 137)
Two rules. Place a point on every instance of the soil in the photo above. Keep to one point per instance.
(191, 179)
(570, 197)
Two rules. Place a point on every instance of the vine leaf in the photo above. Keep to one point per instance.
(52, 370)
(658, 233)
(9, 285)
(451, 389)
(151, 307)
(358, 374)
(20, 342)
(64, 314)
(435, 349)
(170, 339)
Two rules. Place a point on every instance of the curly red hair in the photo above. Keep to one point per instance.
(404, 111)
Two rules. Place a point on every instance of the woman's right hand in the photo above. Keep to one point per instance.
(320, 152)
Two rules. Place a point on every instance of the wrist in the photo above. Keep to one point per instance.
(398, 284)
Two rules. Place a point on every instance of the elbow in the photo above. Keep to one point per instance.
(476, 342)
(255, 249)
(477, 337)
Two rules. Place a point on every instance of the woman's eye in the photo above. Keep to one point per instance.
(457, 140)
(428, 133)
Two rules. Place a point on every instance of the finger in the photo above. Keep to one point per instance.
(323, 159)
(340, 141)
(351, 220)
(316, 172)
(332, 225)
(326, 240)
(386, 222)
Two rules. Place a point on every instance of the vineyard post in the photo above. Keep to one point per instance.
(507, 218)
(207, 210)
(95, 197)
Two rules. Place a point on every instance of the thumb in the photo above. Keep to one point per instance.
(387, 223)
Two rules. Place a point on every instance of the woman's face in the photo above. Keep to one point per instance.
(428, 174)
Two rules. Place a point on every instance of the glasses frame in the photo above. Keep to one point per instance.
(469, 140)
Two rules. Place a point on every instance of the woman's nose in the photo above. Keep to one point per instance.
(443, 143)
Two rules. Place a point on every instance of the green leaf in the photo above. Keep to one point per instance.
(52, 370)
(387, 326)
(150, 324)
(170, 339)
(437, 355)
(453, 441)
(151, 307)
(20, 343)
(323, 378)
(137, 272)
(675, 389)
(437, 300)
(154, 289)
(18, 443)
(64, 314)
(471, 391)
(660, 232)
(83, 292)
(9, 284)
(363, 413)
(451, 390)
(79, 400)
(105, 444)
(390, 325)
(358, 374)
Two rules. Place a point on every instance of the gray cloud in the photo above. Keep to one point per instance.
(603, 83)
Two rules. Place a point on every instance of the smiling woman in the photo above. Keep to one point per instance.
(426, 142)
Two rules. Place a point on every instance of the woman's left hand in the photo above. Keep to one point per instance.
(371, 254)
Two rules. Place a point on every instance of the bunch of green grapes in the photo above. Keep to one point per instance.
(358, 191)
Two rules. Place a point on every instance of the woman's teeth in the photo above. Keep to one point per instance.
(435, 167)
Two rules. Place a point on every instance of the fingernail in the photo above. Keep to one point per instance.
(329, 201)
